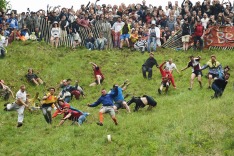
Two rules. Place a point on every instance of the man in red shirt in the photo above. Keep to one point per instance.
(69, 114)
(198, 33)
(167, 78)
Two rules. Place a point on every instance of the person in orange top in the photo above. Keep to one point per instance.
(48, 100)
(167, 78)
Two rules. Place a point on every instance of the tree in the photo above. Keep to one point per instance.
(3, 4)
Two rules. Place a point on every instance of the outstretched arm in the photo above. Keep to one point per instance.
(93, 64)
(65, 118)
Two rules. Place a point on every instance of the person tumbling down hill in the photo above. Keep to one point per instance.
(107, 105)
(142, 101)
(60, 104)
(119, 98)
(219, 85)
(97, 74)
(167, 78)
(75, 116)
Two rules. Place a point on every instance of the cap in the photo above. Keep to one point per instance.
(66, 106)
(153, 22)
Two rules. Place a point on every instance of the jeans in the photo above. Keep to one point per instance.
(198, 38)
(19, 109)
(99, 45)
(147, 69)
(46, 110)
(82, 118)
(218, 91)
(150, 40)
(89, 45)
(67, 99)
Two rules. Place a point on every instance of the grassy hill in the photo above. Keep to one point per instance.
(184, 122)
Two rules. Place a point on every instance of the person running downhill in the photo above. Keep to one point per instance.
(167, 78)
(196, 70)
(107, 105)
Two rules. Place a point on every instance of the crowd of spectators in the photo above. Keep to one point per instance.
(126, 22)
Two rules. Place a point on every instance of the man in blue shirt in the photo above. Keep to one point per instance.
(119, 98)
(107, 105)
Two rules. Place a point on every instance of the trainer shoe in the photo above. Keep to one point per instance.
(159, 91)
(189, 88)
(20, 124)
(5, 104)
(99, 123)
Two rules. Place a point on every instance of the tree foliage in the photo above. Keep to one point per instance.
(3, 4)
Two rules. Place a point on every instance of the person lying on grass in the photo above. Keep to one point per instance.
(76, 117)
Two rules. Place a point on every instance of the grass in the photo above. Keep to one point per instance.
(184, 122)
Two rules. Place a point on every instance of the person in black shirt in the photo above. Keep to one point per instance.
(219, 85)
(148, 65)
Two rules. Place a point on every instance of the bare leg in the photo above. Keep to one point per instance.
(192, 80)
(199, 80)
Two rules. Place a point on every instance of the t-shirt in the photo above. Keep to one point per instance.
(21, 95)
(171, 66)
(74, 114)
(195, 64)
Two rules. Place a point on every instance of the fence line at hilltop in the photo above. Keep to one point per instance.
(99, 26)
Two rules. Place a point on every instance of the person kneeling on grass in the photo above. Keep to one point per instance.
(167, 78)
(75, 116)
(107, 105)
(219, 85)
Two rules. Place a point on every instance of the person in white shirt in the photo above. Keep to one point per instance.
(116, 28)
(55, 34)
(19, 104)
(171, 66)
(154, 36)
(205, 20)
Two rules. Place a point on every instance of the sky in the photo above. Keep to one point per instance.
(34, 5)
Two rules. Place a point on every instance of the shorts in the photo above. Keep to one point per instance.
(197, 72)
(151, 101)
(124, 36)
(185, 38)
(108, 109)
(100, 81)
(119, 104)
(214, 75)
(165, 83)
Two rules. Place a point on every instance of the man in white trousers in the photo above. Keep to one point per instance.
(19, 104)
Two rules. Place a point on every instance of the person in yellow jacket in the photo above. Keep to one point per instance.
(215, 69)
(125, 34)
(48, 100)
